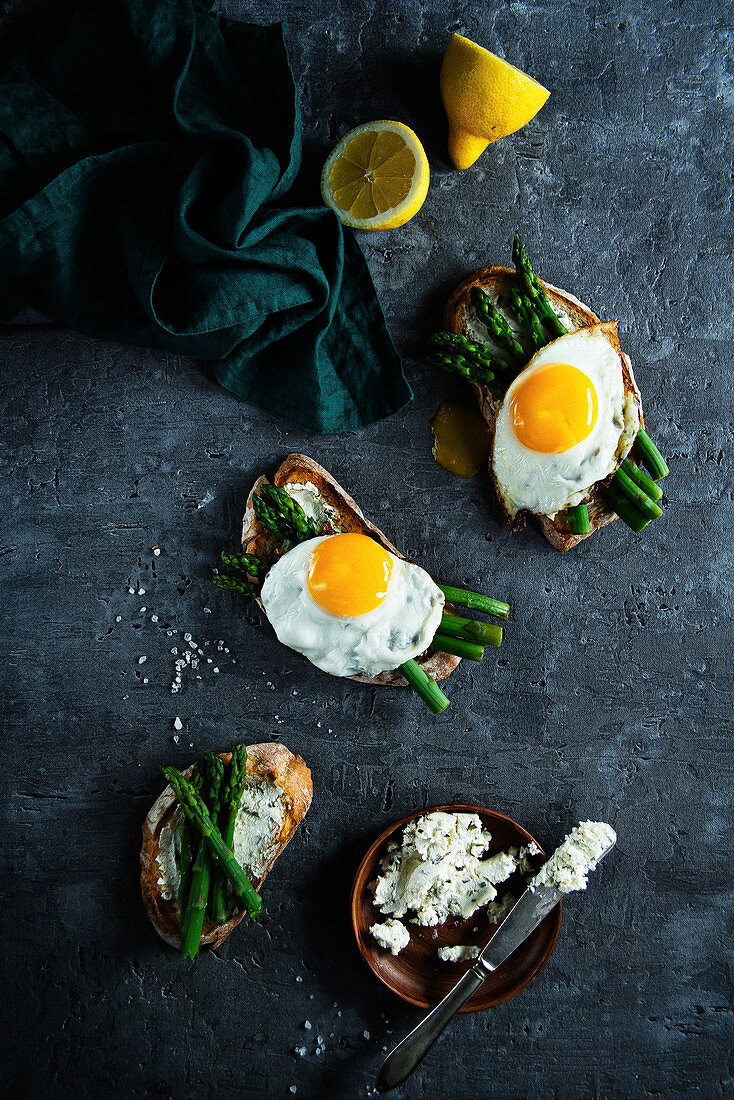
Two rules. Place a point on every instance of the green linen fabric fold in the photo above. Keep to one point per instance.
(146, 154)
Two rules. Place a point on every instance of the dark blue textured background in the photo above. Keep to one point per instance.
(611, 697)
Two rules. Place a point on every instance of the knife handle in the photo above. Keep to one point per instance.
(405, 1057)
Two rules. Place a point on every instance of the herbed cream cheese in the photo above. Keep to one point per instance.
(256, 834)
(457, 954)
(315, 507)
(569, 866)
(440, 869)
(392, 935)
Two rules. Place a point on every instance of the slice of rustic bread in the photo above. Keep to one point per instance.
(459, 316)
(272, 762)
(343, 514)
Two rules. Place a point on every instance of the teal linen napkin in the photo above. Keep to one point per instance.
(147, 151)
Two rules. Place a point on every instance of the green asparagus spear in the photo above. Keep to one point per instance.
(475, 601)
(650, 455)
(247, 563)
(457, 364)
(535, 292)
(189, 837)
(640, 478)
(196, 811)
(460, 647)
(636, 495)
(425, 686)
(192, 923)
(526, 317)
(578, 519)
(470, 349)
(624, 508)
(496, 323)
(291, 517)
(471, 629)
(228, 806)
(235, 584)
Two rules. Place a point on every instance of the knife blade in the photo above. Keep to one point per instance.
(533, 907)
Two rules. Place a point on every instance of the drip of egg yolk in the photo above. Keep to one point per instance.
(348, 574)
(461, 439)
(554, 408)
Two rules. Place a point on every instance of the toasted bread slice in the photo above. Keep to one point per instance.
(495, 282)
(342, 514)
(272, 762)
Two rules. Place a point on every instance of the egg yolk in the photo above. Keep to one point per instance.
(348, 574)
(554, 408)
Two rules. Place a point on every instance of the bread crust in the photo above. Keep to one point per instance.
(297, 469)
(498, 279)
(273, 762)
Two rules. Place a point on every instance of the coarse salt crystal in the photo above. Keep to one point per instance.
(142, 660)
(131, 591)
(157, 551)
(142, 610)
(307, 1025)
(118, 619)
(177, 723)
(154, 618)
(141, 591)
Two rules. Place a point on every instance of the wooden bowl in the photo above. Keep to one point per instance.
(417, 974)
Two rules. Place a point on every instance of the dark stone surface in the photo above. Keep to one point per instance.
(610, 698)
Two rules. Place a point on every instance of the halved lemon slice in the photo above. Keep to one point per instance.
(376, 177)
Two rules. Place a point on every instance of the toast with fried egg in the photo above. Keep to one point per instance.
(460, 317)
(336, 513)
(283, 779)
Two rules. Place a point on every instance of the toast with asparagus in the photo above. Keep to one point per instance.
(504, 331)
(213, 835)
(285, 522)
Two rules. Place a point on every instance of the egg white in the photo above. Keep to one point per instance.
(546, 483)
(401, 627)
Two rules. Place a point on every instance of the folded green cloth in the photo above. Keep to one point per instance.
(146, 150)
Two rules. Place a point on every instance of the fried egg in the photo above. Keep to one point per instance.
(565, 423)
(351, 606)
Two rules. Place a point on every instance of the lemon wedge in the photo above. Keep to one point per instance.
(485, 98)
(376, 177)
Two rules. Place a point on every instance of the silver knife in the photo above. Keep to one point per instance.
(525, 916)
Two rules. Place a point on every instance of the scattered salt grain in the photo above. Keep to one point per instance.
(207, 610)
(176, 738)
(145, 681)
(131, 591)
(307, 1025)
(154, 618)
(293, 1089)
(142, 660)
(142, 610)
(118, 619)
(300, 1051)
(141, 591)
(177, 723)
(157, 551)
(366, 1034)
(215, 670)
(299, 978)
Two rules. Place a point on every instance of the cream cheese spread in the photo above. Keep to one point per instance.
(440, 869)
(315, 507)
(457, 954)
(569, 866)
(392, 935)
